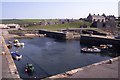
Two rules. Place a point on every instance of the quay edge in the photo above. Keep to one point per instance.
(13, 72)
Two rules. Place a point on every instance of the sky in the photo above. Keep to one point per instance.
(54, 9)
(119, 8)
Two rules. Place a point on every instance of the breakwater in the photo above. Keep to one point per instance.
(19, 32)
(94, 40)
(57, 35)
(85, 39)
(52, 34)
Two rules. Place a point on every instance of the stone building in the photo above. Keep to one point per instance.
(102, 21)
(43, 23)
(13, 25)
(50, 23)
(110, 17)
(3, 26)
(107, 24)
(62, 21)
(9, 26)
(94, 18)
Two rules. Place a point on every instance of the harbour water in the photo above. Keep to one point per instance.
(50, 56)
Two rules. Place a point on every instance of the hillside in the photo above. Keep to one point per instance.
(75, 24)
(23, 21)
(60, 26)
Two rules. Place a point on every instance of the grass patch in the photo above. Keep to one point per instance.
(23, 21)
(60, 26)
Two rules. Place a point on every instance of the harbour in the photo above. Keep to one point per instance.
(57, 40)
(50, 59)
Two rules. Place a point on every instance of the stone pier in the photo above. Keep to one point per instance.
(1, 49)
(9, 69)
(57, 35)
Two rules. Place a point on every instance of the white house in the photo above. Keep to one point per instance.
(3, 26)
(13, 25)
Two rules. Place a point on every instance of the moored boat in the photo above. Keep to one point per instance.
(16, 56)
(9, 46)
(29, 68)
(16, 41)
(102, 46)
(19, 44)
(9, 42)
(90, 50)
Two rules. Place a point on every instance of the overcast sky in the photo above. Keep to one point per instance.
(15, 9)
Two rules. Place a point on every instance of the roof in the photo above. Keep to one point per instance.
(98, 16)
(11, 24)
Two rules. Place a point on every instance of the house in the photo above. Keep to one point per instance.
(51, 23)
(44, 23)
(102, 21)
(62, 21)
(110, 24)
(94, 18)
(107, 24)
(110, 17)
(13, 25)
(3, 26)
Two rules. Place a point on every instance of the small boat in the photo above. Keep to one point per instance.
(117, 37)
(102, 46)
(9, 42)
(16, 41)
(9, 46)
(29, 68)
(90, 50)
(19, 44)
(16, 56)
(109, 45)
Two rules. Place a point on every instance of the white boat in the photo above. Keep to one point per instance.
(9, 42)
(90, 50)
(16, 56)
(19, 44)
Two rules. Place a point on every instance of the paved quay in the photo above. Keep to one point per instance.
(98, 36)
(103, 69)
(0, 55)
(8, 68)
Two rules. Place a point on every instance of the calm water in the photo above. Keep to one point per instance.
(50, 56)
